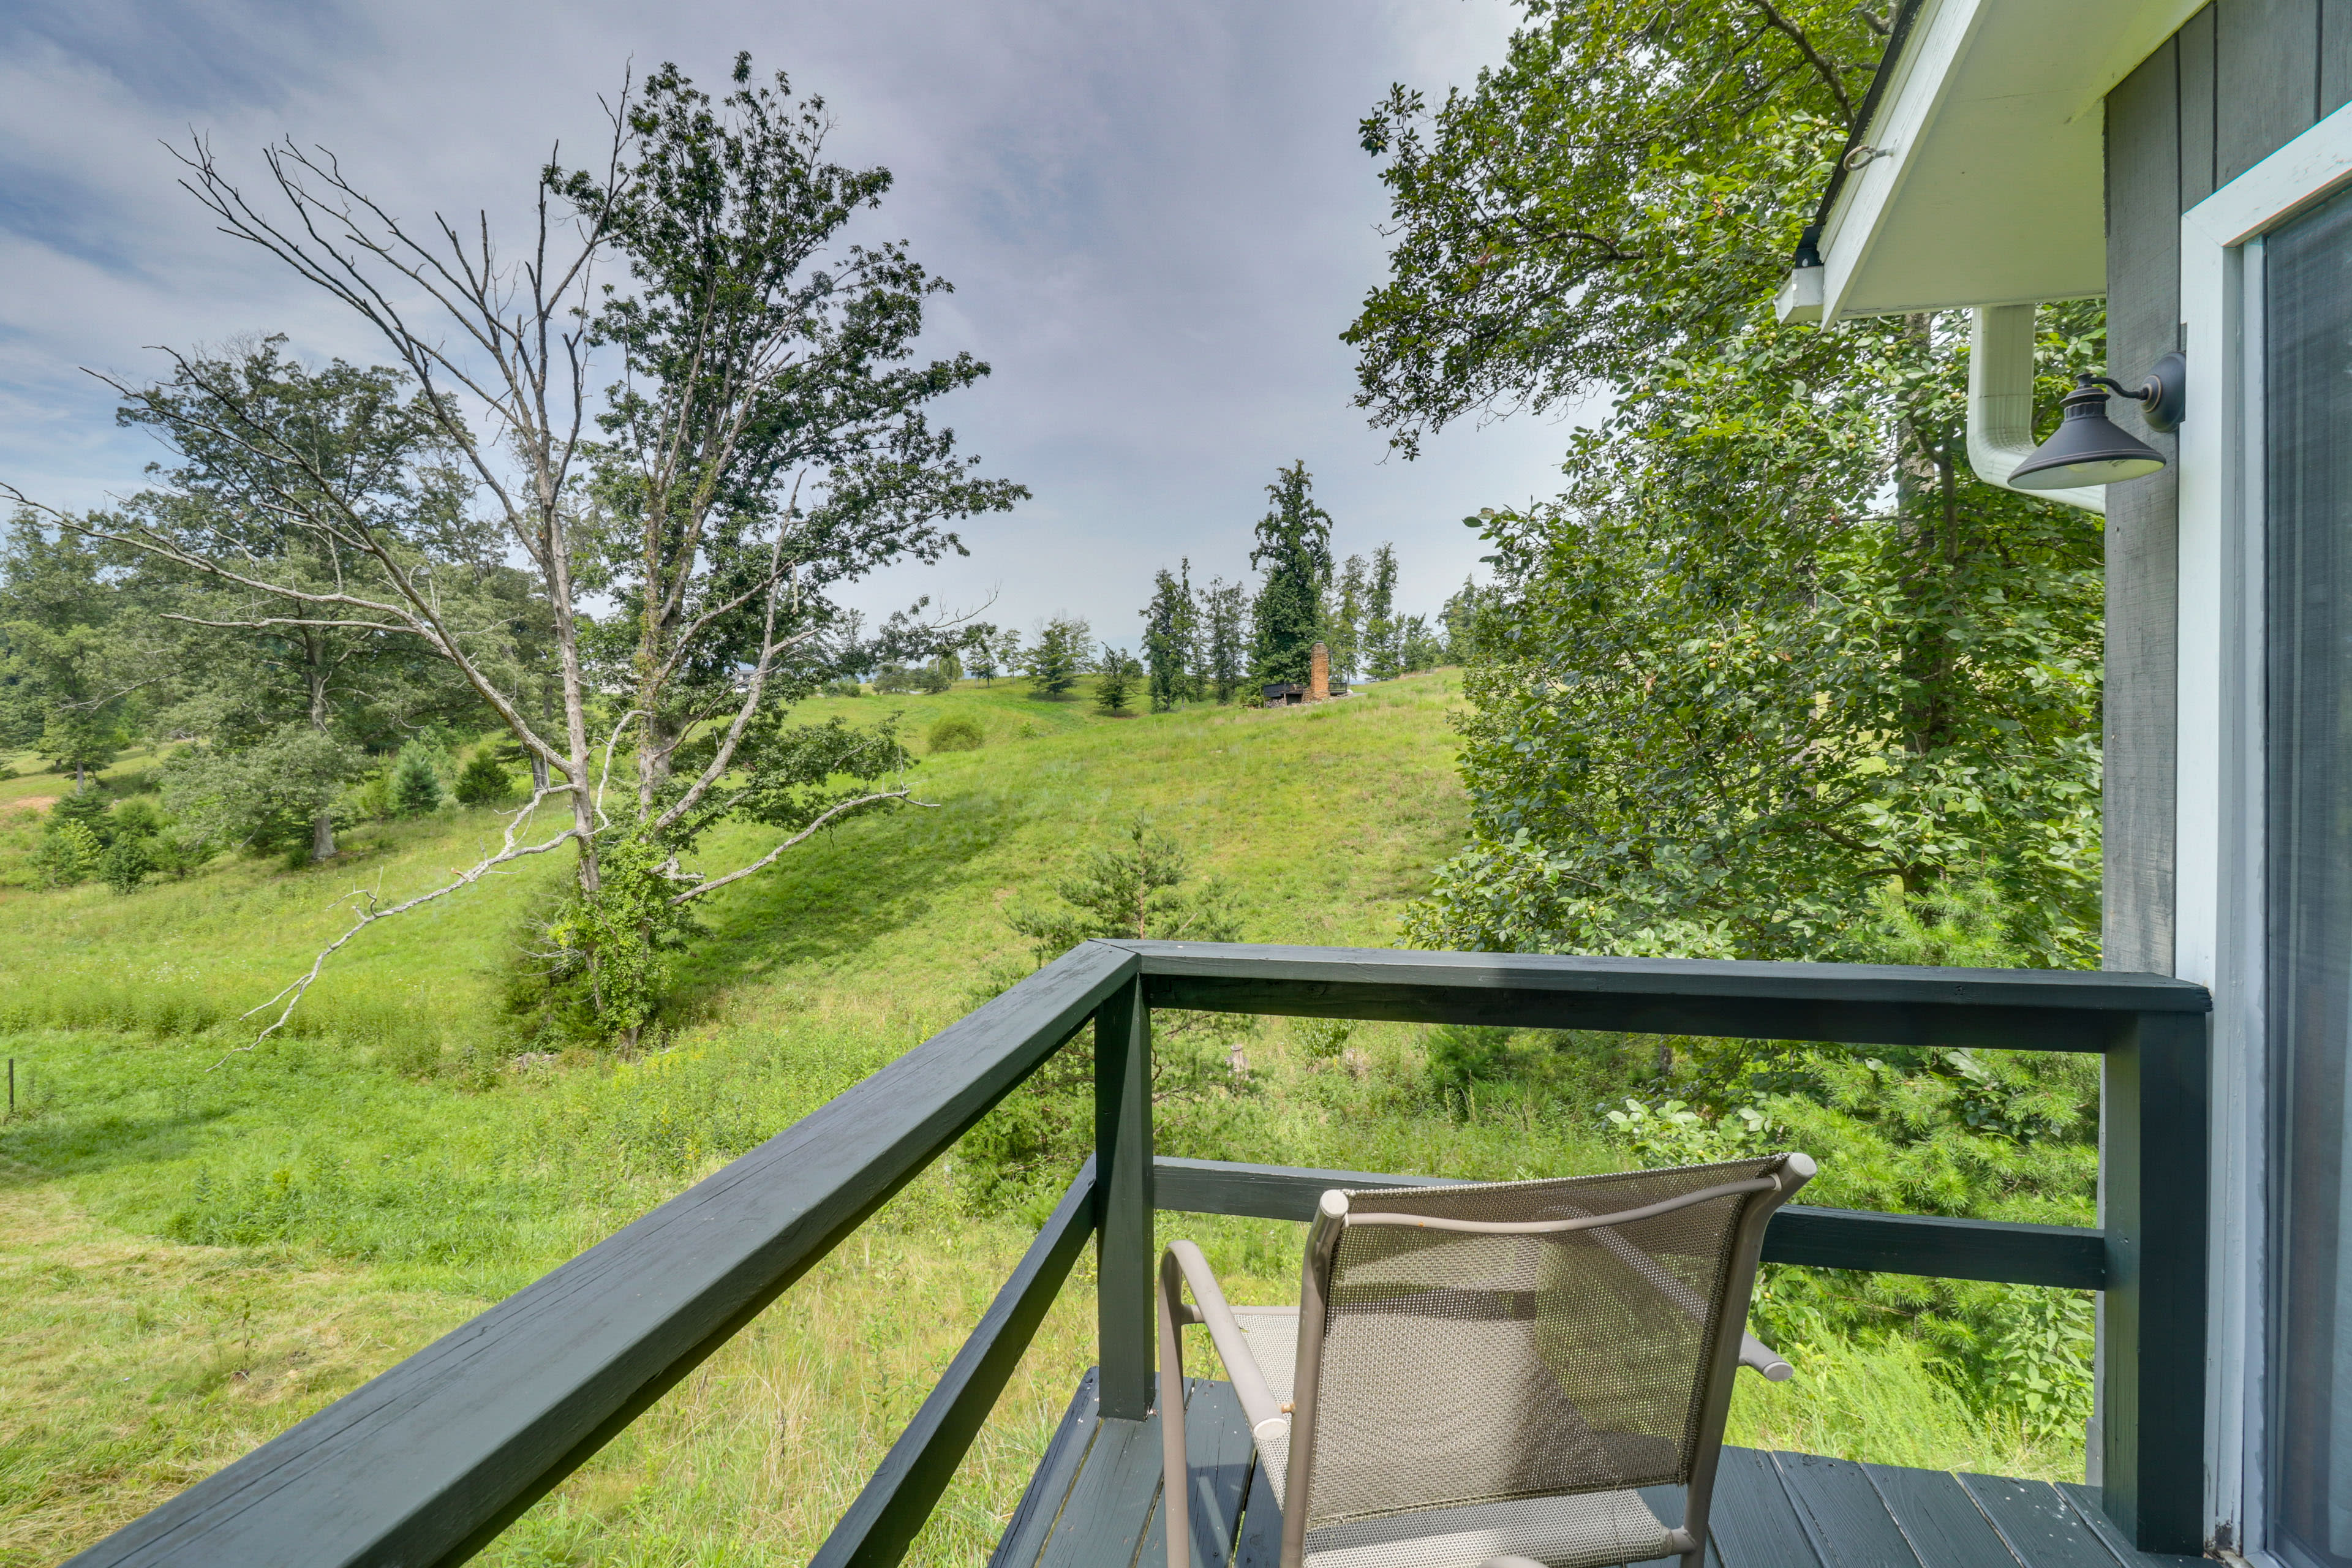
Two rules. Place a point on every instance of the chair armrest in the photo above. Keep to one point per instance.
(1265, 1416)
(1759, 1357)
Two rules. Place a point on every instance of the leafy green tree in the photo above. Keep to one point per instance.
(1422, 647)
(61, 609)
(1294, 547)
(265, 796)
(982, 660)
(375, 442)
(1171, 624)
(1776, 647)
(1728, 687)
(1457, 624)
(1602, 205)
(68, 852)
(1005, 649)
(127, 863)
(1052, 663)
(1224, 618)
(1116, 672)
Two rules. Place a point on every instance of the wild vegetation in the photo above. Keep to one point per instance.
(198, 1252)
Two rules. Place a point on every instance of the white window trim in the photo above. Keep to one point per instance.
(2219, 797)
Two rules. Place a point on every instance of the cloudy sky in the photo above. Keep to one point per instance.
(1155, 214)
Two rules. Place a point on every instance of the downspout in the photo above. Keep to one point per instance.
(2001, 403)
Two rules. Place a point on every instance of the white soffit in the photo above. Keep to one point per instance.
(1988, 185)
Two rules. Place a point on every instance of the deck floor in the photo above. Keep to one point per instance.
(1095, 1502)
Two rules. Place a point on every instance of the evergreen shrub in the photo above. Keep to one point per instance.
(484, 780)
(415, 788)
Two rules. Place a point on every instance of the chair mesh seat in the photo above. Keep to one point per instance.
(1496, 1371)
(1590, 1531)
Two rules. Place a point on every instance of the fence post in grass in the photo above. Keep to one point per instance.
(1123, 1202)
(2157, 1110)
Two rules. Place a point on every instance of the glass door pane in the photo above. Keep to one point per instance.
(2307, 398)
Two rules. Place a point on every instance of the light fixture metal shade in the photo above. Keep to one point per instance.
(2086, 449)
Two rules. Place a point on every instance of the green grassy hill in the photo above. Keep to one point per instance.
(199, 1244)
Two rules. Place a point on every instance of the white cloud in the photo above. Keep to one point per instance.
(1156, 218)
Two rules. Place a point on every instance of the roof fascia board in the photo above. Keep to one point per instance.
(1940, 38)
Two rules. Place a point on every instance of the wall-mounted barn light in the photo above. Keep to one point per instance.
(2087, 449)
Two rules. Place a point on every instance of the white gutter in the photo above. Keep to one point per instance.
(2001, 403)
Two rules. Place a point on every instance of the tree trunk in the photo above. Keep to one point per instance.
(582, 779)
(314, 673)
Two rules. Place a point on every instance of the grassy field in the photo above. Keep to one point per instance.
(199, 1245)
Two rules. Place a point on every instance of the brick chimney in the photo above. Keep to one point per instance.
(1318, 674)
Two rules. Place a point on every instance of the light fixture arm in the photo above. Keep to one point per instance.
(2162, 399)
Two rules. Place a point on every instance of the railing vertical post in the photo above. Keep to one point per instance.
(2158, 1108)
(1124, 1201)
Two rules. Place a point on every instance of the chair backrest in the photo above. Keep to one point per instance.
(1523, 1340)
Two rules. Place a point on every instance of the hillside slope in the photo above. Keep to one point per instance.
(199, 1245)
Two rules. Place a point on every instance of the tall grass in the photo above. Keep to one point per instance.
(199, 1245)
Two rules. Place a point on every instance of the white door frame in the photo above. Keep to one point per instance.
(2219, 799)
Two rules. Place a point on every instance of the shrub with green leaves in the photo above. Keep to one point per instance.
(956, 732)
(68, 853)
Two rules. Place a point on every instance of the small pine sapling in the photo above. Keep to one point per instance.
(484, 782)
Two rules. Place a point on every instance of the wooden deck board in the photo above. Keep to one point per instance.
(2040, 1528)
(1752, 1522)
(1103, 1518)
(2085, 1502)
(1851, 1527)
(1938, 1518)
(1219, 1455)
(1094, 1503)
(1041, 1502)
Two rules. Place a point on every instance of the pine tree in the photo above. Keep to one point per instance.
(1294, 546)
(1115, 675)
(1383, 645)
(1344, 619)
(485, 781)
(979, 652)
(1054, 663)
(416, 787)
(1172, 625)
(1224, 615)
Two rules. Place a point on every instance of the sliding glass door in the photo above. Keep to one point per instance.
(2306, 384)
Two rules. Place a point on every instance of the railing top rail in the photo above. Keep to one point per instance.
(1854, 1003)
(426, 1461)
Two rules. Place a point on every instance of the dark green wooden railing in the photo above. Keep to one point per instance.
(425, 1463)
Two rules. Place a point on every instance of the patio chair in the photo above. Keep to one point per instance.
(1485, 1376)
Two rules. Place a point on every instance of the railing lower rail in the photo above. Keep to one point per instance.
(426, 1462)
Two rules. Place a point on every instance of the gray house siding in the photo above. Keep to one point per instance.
(2239, 80)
